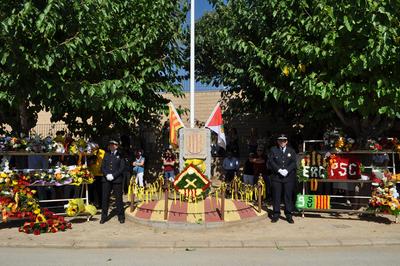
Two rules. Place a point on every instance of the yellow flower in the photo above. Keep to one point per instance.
(285, 71)
(37, 211)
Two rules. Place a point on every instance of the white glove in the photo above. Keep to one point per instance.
(283, 172)
(110, 177)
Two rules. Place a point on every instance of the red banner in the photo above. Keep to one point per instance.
(344, 167)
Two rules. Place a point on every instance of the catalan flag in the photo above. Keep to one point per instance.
(175, 123)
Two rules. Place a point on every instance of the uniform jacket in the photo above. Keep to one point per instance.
(113, 164)
(277, 159)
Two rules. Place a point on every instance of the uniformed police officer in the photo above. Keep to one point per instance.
(112, 167)
(282, 163)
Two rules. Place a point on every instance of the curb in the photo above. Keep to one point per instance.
(270, 244)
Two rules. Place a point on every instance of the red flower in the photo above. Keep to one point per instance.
(69, 225)
(62, 227)
(26, 230)
(36, 232)
(54, 230)
(43, 225)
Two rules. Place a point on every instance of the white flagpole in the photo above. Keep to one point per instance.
(192, 78)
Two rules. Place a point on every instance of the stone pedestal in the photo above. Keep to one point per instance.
(195, 143)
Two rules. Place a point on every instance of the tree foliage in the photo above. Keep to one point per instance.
(91, 63)
(338, 57)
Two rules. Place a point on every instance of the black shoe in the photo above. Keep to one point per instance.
(102, 221)
(274, 219)
(290, 220)
(121, 220)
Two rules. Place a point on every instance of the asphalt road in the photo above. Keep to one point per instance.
(382, 255)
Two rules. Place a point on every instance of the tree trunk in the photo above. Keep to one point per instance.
(364, 128)
(23, 118)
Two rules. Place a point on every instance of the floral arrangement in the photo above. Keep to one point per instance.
(344, 144)
(385, 199)
(81, 175)
(55, 176)
(77, 206)
(312, 165)
(16, 198)
(335, 140)
(374, 145)
(47, 222)
(36, 143)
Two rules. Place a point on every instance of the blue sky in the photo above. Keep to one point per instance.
(201, 6)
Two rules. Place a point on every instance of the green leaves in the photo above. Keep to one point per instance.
(77, 58)
(350, 53)
(347, 23)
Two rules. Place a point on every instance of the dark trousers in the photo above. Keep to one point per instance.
(229, 175)
(117, 190)
(95, 193)
(277, 189)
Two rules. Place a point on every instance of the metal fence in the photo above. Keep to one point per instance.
(48, 129)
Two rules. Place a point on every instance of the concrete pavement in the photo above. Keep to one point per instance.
(317, 230)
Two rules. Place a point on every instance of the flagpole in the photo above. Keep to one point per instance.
(192, 78)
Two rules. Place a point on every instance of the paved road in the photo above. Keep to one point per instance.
(296, 256)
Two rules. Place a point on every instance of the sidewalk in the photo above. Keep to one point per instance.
(316, 230)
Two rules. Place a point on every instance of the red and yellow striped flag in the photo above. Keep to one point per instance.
(175, 123)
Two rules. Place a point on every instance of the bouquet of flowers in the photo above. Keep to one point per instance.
(374, 145)
(16, 198)
(81, 175)
(77, 206)
(385, 199)
(335, 140)
(45, 223)
(56, 176)
(14, 143)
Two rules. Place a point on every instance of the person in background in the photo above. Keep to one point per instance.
(230, 166)
(112, 168)
(248, 171)
(94, 167)
(283, 164)
(138, 167)
(252, 141)
(260, 169)
(233, 142)
(169, 162)
(165, 135)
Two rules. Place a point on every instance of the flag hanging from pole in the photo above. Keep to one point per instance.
(216, 124)
(175, 123)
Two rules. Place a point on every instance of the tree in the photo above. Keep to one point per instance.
(94, 64)
(334, 57)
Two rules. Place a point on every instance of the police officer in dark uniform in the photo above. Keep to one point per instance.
(282, 162)
(112, 167)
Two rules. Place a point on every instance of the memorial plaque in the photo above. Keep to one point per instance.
(195, 143)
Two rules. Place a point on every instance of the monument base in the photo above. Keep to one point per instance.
(206, 213)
